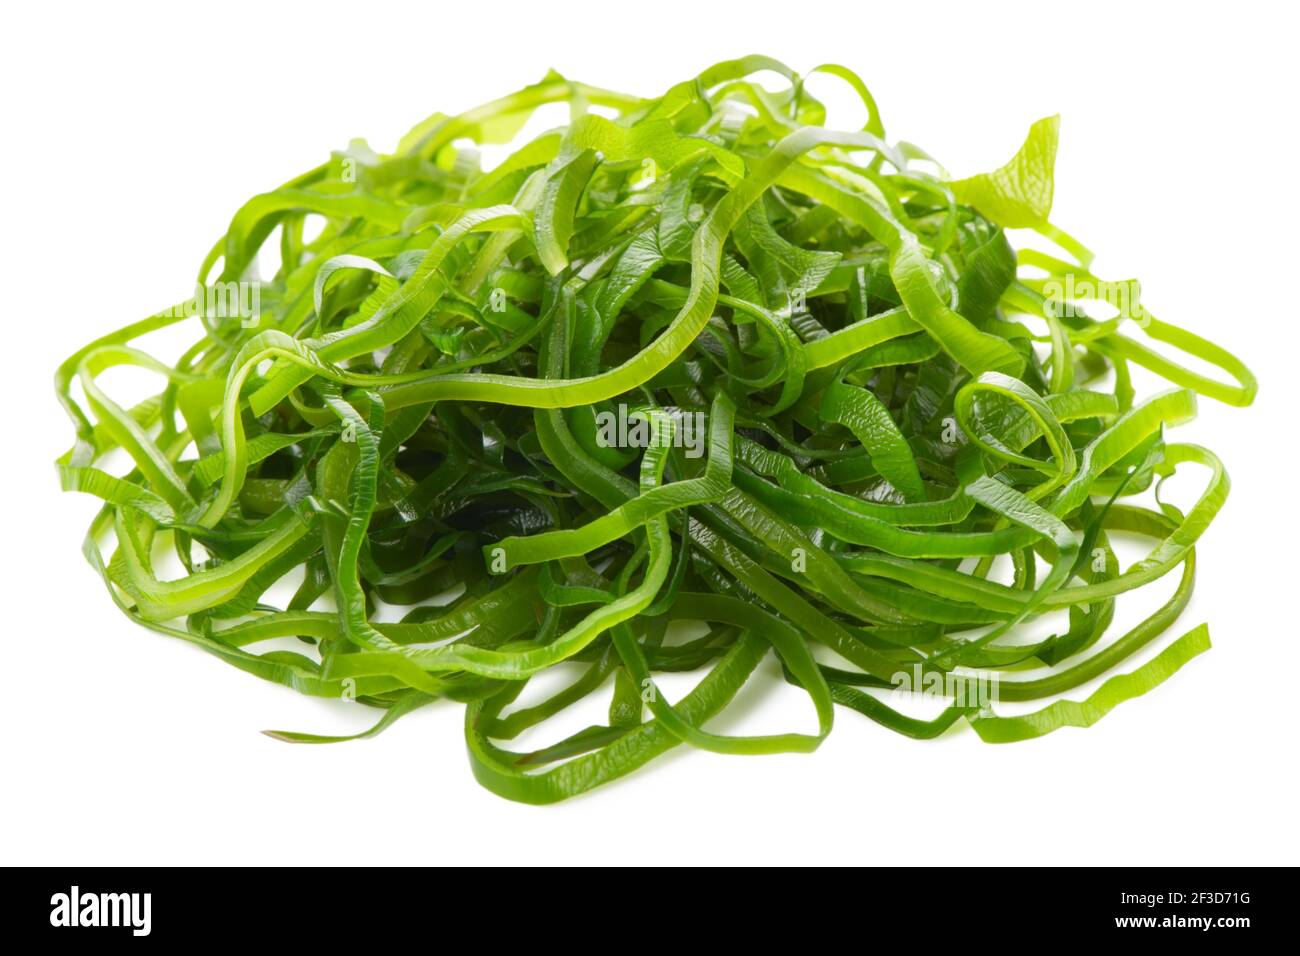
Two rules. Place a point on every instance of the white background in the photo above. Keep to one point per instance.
(132, 132)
